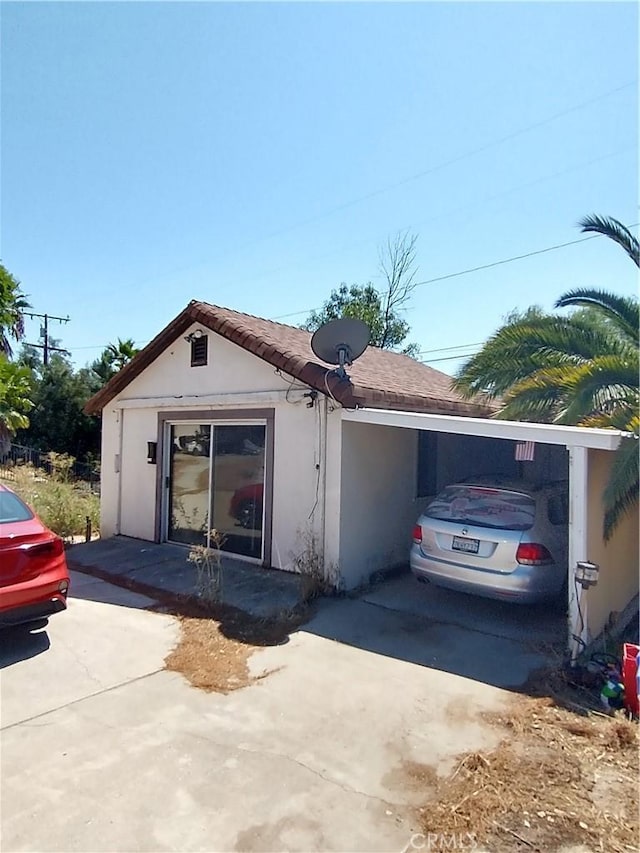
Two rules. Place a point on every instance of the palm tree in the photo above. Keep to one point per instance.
(13, 304)
(113, 358)
(122, 352)
(577, 369)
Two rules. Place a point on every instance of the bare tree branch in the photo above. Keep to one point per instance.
(397, 262)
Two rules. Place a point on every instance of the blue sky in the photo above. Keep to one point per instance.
(257, 155)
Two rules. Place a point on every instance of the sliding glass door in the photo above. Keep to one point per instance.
(216, 482)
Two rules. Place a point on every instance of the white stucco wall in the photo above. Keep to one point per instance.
(230, 369)
(178, 387)
(138, 487)
(109, 476)
(296, 454)
(378, 499)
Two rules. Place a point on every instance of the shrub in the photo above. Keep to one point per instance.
(62, 506)
(208, 562)
(317, 578)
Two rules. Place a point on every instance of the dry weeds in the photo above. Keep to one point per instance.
(557, 779)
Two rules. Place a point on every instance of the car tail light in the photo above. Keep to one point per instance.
(51, 548)
(532, 554)
(417, 534)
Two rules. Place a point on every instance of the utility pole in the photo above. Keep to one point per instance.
(44, 335)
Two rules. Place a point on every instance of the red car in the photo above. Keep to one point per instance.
(34, 578)
(246, 506)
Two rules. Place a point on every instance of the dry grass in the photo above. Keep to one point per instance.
(213, 652)
(208, 659)
(556, 779)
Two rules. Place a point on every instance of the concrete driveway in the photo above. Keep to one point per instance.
(495, 642)
(103, 750)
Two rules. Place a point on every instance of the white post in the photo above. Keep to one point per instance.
(332, 485)
(578, 484)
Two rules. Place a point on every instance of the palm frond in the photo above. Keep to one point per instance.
(622, 311)
(534, 399)
(621, 416)
(624, 417)
(616, 231)
(521, 348)
(600, 385)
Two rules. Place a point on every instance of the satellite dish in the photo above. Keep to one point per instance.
(341, 342)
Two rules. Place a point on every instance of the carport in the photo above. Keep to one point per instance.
(377, 502)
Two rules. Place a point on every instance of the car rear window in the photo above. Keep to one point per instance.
(13, 509)
(483, 507)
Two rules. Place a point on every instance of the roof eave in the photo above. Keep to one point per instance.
(315, 375)
(140, 362)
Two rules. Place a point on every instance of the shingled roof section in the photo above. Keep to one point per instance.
(378, 379)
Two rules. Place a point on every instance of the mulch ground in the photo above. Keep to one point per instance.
(558, 778)
(213, 650)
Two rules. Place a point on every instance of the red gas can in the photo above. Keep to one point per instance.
(630, 676)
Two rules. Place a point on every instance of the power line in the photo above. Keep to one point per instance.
(505, 261)
(104, 346)
(448, 349)
(478, 268)
(451, 162)
(510, 260)
(447, 215)
(491, 144)
(447, 358)
(418, 284)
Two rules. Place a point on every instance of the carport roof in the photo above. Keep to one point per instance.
(567, 436)
(380, 379)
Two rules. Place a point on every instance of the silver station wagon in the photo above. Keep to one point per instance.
(498, 539)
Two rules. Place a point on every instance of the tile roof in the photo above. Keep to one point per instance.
(378, 379)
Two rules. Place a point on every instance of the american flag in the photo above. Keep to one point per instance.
(525, 451)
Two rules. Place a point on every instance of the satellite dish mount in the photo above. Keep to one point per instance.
(341, 342)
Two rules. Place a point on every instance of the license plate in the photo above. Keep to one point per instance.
(469, 546)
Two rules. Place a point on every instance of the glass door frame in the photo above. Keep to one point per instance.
(237, 417)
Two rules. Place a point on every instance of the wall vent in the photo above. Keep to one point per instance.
(199, 351)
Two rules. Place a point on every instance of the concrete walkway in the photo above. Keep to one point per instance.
(332, 749)
(158, 570)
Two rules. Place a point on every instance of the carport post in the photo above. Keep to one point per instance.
(578, 484)
(332, 488)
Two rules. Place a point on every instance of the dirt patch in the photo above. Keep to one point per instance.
(213, 654)
(208, 659)
(556, 779)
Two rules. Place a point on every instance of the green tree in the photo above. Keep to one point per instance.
(113, 358)
(380, 309)
(13, 304)
(577, 369)
(57, 421)
(15, 398)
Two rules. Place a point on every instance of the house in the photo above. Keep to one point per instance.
(227, 421)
